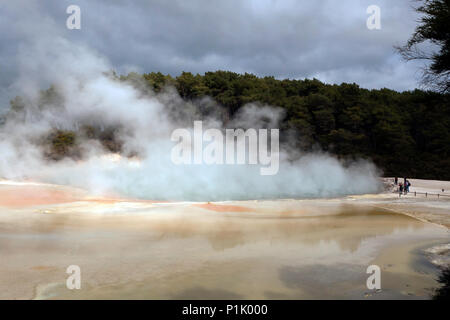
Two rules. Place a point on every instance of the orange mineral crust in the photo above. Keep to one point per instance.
(222, 208)
(34, 195)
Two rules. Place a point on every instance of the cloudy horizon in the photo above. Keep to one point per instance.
(322, 39)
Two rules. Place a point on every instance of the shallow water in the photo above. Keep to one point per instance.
(234, 251)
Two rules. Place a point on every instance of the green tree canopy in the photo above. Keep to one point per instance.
(434, 28)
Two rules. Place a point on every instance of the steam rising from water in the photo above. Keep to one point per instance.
(146, 120)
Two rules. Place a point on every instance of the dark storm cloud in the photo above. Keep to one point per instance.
(326, 39)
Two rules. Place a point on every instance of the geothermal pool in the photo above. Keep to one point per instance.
(284, 249)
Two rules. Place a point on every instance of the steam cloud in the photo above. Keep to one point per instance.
(90, 95)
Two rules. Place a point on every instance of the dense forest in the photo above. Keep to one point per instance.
(404, 134)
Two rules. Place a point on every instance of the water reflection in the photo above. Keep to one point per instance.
(277, 251)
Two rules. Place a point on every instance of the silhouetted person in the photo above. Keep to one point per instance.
(396, 181)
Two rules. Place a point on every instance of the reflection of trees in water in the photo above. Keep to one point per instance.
(443, 293)
(348, 229)
(347, 226)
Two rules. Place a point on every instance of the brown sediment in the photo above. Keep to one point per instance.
(180, 251)
(222, 208)
(175, 252)
(43, 268)
(421, 203)
(421, 212)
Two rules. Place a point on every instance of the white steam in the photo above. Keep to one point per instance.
(146, 120)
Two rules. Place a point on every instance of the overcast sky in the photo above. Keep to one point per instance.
(326, 39)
